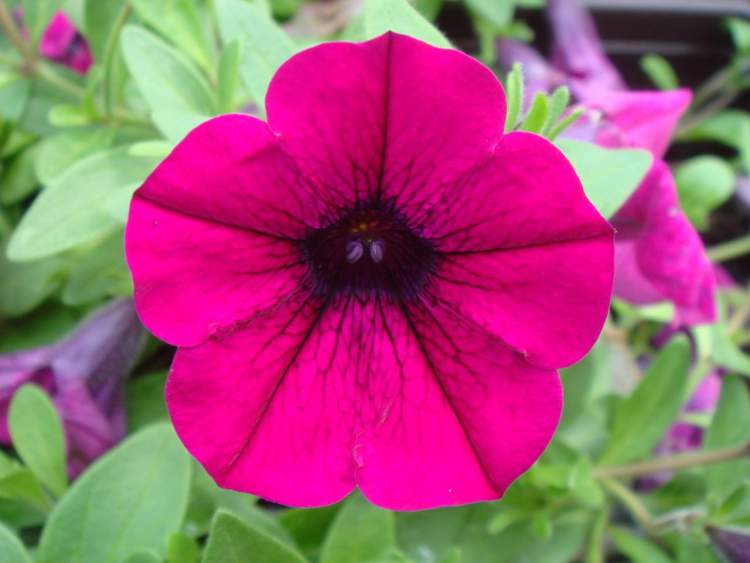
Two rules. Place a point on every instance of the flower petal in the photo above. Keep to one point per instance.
(231, 170)
(467, 417)
(525, 194)
(58, 37)
(548, 302)
(264, 410)
(391, 116)
(528, 258)
(316, 398)
(193, 276)
(640, 119)
(578, 51)
(659, 254)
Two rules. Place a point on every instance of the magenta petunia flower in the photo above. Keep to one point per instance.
(659, 254)
(84, 374)
(374, 288)
(63, 44)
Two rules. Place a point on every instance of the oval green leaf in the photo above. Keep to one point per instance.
(129, 501)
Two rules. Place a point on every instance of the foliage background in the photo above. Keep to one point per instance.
(74, 148)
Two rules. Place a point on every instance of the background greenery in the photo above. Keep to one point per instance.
(73, 149)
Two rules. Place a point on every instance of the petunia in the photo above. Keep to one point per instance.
(372, 289)
(84, 375)
(577, 50)
(63, 44)
(659, 254)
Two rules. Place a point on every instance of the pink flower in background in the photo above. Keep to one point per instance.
(63, 44)
(84, 374)
(374, 288)
(659, 254)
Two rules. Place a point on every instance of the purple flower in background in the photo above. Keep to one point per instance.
(577, 50)
(733, 544)
(659, 255)
(84, 374)
(63, 44)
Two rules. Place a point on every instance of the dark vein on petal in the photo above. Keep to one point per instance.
(386, 114)
(433, 368)
(214, 221)
(279, 383)
(513, 247)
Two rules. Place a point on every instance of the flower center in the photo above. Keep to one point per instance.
(369, 251)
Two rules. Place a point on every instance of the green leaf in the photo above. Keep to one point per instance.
(433, 535)
(182, 549)
(309, 526)
(178, 96)
(11, 548)
(642, 418)
(499, 13)
(229, 70)
(558, 103)
(537, 116)
(703, 183)
(178, 21)
(129, 501)
(514, 96)
(18, 179)
(38, 437)
(636, 548)
(36, 16)
(26, 285)
(725, 127)
(730, 427)
(430, 9)
(609, 176)
(263, 44)
(145, 400)
(360, 532)
(17, 483)
(98, 20)
(398, 15)
(143, 557)
(46, 325)
(72, 210)
(100, 272)
(58, 152)
(660, 72)
(740, 30)
(14, 96)
(231, 541)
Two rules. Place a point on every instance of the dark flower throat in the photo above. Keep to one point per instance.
(369, 251)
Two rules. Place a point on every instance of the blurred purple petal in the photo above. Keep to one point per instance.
(659, 255)
(63, 44)
(733, 544)
(642, 119)
(577, 50)
(84, 374)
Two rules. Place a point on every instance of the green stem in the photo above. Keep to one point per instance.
(11, 31)
(109, 55)
(595, 552)
(731, 249)
(45, 73)
(631, 501)
(740, 316)
(672, 463)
